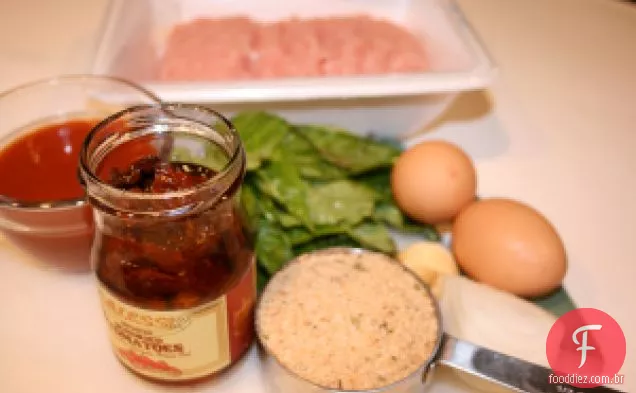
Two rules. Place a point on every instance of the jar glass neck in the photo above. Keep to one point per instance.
(182, 133)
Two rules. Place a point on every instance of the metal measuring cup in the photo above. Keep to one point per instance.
(503, 370)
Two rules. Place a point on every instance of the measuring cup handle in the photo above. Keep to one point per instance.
(504, 370)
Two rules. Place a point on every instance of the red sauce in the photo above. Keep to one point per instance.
(42, 164)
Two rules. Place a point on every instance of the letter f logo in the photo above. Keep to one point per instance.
(584, 347)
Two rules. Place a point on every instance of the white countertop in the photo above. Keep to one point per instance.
(564, 100)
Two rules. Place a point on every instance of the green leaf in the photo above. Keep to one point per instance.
(260, 132)
(374, 236)
(288, 221)
(379, 180)
(341, 201)
(353, 153)
(390, 214)
(268, 209)
(558, 303)
(299, 235)
(387, 211)
(259, 205)
(262, 277)
(315, 187)
(207, 154)
(298, 151)
(275, 214)
(324, 230)
(250, 204)
(429, 232)
(283, 183)
(326, 242)
(273, 247)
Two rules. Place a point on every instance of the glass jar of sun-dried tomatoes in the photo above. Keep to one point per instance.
(173, 257)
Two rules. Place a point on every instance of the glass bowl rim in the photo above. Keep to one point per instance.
(15, 203)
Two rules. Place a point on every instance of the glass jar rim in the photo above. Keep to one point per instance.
(88, 175)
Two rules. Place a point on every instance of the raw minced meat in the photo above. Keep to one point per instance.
(238, 48)
(209, 49)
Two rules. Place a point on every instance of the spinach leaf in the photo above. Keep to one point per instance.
(268, 209)
(324, 230)
(258, 205)
(288, 221)
(389, 213)
(340, 201)
(207, 154)
(299, 235)
(273, 247)
(262, 277)
(429, 232)
(374, 236)
(326, 242)
(298, 151)
(260, 133)
(379, 180)
(250, 204)
(311, 187)
(275, 214)
(353, 153)
(283, 183)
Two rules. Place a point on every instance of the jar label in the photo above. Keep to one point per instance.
(169, 345)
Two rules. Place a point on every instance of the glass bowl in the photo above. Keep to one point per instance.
(55, 233)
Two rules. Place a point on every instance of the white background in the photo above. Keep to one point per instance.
(557, 131)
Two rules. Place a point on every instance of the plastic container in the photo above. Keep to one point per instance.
(396, 105)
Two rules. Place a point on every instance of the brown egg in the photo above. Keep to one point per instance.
(510, 246)
(433, 181)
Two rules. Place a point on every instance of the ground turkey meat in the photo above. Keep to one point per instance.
(238, 48)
